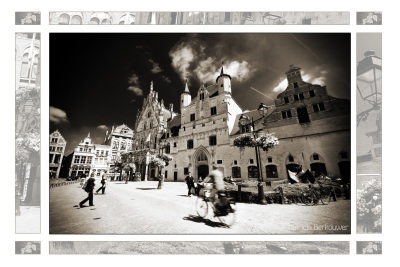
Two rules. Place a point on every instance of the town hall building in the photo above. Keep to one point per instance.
(313, 129)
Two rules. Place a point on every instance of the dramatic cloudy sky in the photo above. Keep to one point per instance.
(100, 79)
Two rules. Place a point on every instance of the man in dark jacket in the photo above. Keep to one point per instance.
(190, 183)
(89, 189)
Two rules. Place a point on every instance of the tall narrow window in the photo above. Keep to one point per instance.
(213, 111)
(213, 140)
(190, 144)
(192, 117)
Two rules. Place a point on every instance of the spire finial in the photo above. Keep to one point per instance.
(88, 135)
(186, 86)
(151, 86)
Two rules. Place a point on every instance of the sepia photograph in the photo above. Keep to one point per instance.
(200, 133)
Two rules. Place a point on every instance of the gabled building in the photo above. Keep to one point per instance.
(102, 160)
(119, 140)
(82, 159)
(57, 149)
(313, 129)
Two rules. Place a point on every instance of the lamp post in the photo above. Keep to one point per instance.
(369, 84)
(244, 120)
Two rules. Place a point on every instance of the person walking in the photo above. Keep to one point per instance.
(190, 183)
(197, 186)
(103, 185)
(160, 181)
(89, 189)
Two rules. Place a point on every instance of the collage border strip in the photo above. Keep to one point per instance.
(21, 109)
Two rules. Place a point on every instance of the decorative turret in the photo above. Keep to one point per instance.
(186, 98)
(294, 76)
(224, 82)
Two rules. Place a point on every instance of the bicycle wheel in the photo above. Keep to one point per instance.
(308, 199)
(230, 217)
(325, 199)
(201, 207)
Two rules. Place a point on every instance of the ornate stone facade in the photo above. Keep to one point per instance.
(313, 129)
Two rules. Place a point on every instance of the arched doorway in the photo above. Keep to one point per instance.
(201, 161)
(202, 171)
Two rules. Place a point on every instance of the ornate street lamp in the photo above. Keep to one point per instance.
(244, 120)
(369, 83)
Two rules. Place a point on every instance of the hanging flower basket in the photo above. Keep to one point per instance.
(159, 160)
(265, 141)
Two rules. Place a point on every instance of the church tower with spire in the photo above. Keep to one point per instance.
(224, 82)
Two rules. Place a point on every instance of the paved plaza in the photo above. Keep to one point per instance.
(139, 208)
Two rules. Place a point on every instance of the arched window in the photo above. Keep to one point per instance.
(94, 21)
(30, 59)
(76, 20)
(64, 19)
(202, 156)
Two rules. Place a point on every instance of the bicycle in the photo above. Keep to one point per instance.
(312, 196)
(225, 213)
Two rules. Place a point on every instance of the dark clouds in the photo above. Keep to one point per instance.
(101, 79)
